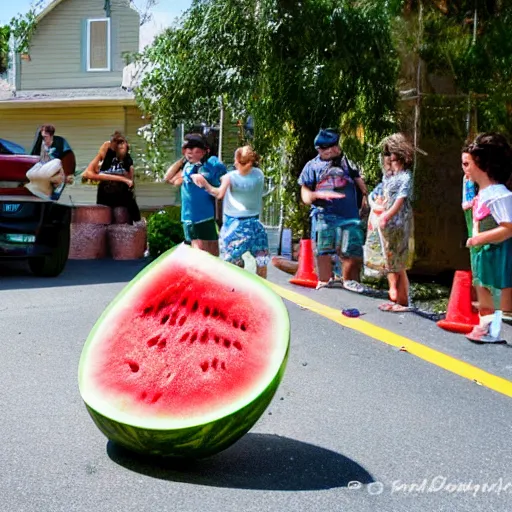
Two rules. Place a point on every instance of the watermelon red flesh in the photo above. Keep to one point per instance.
(186, 347)
(190, 342)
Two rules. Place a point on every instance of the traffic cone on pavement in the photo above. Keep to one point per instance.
(306, 275)
(461, 317)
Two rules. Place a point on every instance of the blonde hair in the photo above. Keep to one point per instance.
(246, 155)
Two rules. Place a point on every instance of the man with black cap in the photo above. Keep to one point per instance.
(329, 184)
(197, 205)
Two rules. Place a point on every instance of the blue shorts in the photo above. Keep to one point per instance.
(334, 235)
(241, 235)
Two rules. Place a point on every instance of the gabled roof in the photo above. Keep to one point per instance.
(49, 8)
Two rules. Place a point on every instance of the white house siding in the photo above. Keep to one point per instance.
(57, 52)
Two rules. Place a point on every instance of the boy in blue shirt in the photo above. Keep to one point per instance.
(197, 205)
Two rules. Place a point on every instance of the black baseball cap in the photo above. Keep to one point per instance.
(194, 141)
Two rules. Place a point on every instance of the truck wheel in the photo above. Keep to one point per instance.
(52, 264)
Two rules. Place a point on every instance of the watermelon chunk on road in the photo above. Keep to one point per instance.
(186, 358)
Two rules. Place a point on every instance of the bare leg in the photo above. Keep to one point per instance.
(262, 271)
(324, 263)
(485, 301)
(402, 288)
(351, 269)
(393, 286)
(211, 246)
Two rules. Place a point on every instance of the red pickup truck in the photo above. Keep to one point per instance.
(31, 228)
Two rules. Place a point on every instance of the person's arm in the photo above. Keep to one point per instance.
(218, 192)
(493, 236)
(172, 173)
(389, 214)
(93, 169)
(309, 196)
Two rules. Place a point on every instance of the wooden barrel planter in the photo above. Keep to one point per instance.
(89, 232)
(126, 241)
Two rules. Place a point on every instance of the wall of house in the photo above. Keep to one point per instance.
(58, 48)
(85, 128)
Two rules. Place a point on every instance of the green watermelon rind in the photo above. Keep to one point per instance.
(191, 442)
(197, 440)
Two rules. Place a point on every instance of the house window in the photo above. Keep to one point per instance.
(98, 44)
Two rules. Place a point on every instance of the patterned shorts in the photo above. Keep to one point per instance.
(241, 235)
(334, 235)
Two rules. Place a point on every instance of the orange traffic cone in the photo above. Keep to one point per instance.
(460, 317)
(306, 275)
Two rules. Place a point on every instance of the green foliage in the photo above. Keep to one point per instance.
(164, 231)
(294, 66)
(22, 28)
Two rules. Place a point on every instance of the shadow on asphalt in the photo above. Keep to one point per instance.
(257, 461)
(16, 275)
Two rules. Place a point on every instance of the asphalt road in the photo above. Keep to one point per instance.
(357, 425)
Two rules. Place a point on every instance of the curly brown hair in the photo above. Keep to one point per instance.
(400, 146)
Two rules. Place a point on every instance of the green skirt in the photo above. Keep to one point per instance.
(492, 265)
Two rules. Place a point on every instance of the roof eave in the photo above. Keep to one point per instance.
(67, 103)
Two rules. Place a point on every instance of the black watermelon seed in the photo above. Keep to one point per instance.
(235, 324)
(184, 302)
(216, 338)
(237, 345)
(206, 311)
(204, 336)
(162, 305)
(215, 313)
(227, 343)
(195, 306)
(243, 327)
(164, 319)
(193, 338)
(148, 310)
(153, 341)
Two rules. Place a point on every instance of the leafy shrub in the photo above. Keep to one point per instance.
(164, 231)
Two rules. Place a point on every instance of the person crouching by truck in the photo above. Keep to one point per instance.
(113, 168)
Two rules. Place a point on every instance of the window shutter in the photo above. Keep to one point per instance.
(98, 40)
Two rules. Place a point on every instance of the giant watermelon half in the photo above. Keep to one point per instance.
(186, 358)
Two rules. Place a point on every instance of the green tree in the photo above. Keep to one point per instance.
(293, 65)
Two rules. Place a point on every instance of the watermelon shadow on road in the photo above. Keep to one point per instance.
(257, 461)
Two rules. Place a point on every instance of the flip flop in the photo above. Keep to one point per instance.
(398, 308)
(387, 306)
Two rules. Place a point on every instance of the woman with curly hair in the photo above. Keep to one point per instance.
(488, 163)
(396, 221)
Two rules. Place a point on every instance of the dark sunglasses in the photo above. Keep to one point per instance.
(325, 146)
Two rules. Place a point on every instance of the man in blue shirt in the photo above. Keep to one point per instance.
(197, 205)
(328, 183)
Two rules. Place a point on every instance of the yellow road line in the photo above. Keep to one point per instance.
(440, 359)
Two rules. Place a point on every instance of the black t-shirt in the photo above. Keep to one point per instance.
(112, 165)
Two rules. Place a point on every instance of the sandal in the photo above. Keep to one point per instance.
(387, 306)
(392, 307)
